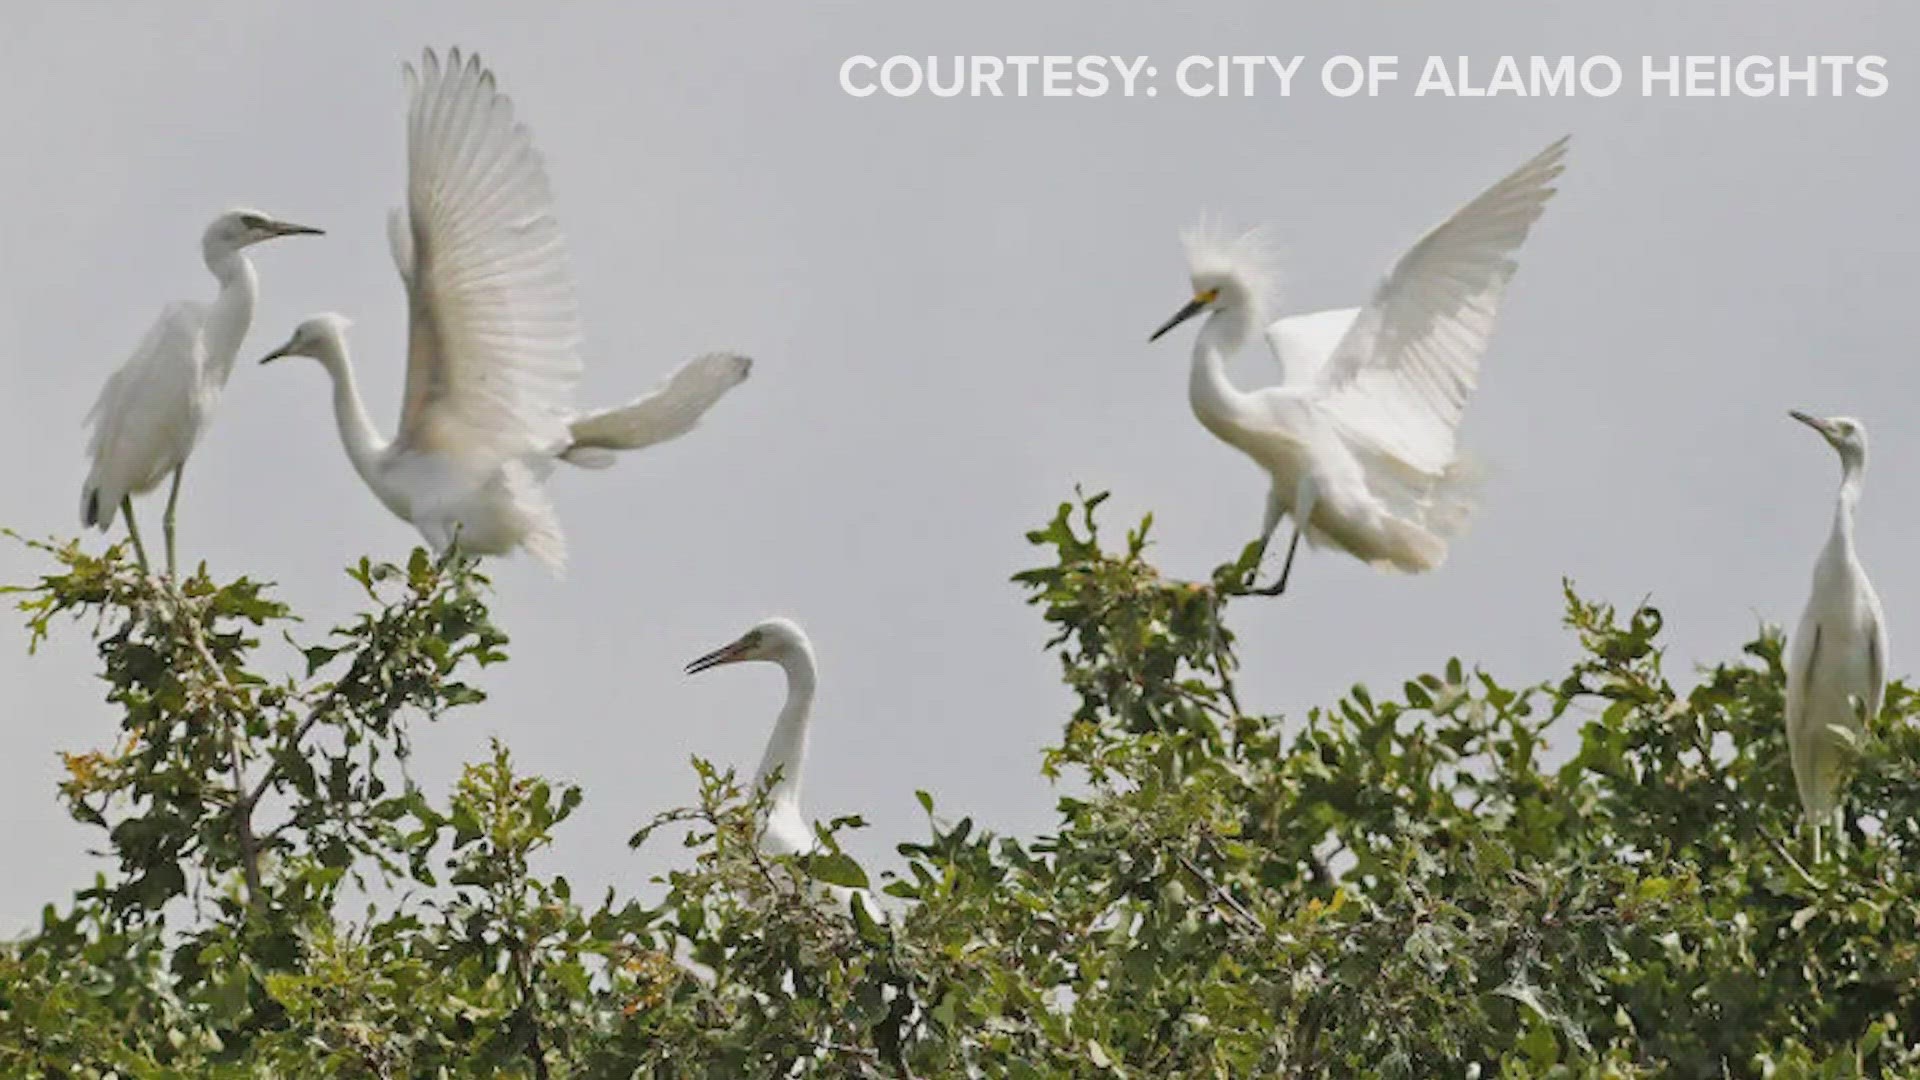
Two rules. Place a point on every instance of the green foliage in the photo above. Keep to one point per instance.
(1401, 885)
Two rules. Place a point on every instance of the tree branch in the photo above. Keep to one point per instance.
(243, 803)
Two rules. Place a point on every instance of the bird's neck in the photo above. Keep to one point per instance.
(232, 311)
(787, 748)
(363, 441)
(1852, 478)
(1220, 405)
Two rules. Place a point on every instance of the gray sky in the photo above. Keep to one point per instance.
(948, 301)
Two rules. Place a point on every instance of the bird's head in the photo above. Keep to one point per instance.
(237, 229)
(1233, 271)
(320, 337)
(1845, 434)
(772, 640)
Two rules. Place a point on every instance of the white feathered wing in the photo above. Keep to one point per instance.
(145, 420)
(494, 341)
(1395, 376)
(668, 411)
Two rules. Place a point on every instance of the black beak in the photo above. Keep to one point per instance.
(276, 354)
(1194, 307)
(1813, 422)
(288, 228)
(725, 654)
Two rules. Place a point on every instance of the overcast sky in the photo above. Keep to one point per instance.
(948, 301)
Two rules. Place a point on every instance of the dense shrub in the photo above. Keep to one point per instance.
(1396, 885)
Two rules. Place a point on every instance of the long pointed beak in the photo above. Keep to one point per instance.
(288, 228)
(1194, 307)
(1813, 422)
(277, 353)
(725, 654)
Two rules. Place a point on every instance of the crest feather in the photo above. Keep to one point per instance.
(1242, 263)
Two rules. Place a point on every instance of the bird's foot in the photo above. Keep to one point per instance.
(1274, 589)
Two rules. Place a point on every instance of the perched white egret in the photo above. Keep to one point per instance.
(1359, 439)
(1837, 666)
(492, 351)
(785, 829)
(779, 641)
(152, 412)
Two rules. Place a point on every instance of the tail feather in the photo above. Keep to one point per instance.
(541, 536)
(1411, 548)
(669, 411)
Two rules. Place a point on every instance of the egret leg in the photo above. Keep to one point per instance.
(133, 531)
(1303, 502)
(166, 523)
(1286, 568)
(1268, 525)
(1271, 522)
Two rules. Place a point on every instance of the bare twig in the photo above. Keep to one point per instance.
(1218, 893)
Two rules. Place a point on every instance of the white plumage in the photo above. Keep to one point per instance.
(152, 411)
(1837, 662)
(785, 829)
(779, 641)
(1360, 437)
(494, 338)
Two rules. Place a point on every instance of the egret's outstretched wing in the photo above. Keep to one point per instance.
(668, 411)
(1401, 377)
(493, 351)
(1304, 343)
(143, 422)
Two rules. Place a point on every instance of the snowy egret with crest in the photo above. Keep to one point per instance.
(1359, 438)
(153, 410)
(1837, 663)
(493, 342)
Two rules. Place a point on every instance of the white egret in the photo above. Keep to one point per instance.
(1359, 439)
(152, 412)
(1837, 666)
(492, 351)
(785, 830)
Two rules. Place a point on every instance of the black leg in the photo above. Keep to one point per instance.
(1286, 570)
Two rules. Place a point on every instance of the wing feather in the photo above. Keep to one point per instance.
(1400, 378)
(1304, 343)
(1876, 661)
(668, 411)
(493, 351)
(144, 423)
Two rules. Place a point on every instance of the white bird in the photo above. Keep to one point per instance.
(152, 412)
(1837, 666)
(493, 342)
(1359, 439)
(786, 830)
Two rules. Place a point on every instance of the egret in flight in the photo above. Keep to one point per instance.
(1359, 438)
(1837, 666)
(152, 412)
(493, 341)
